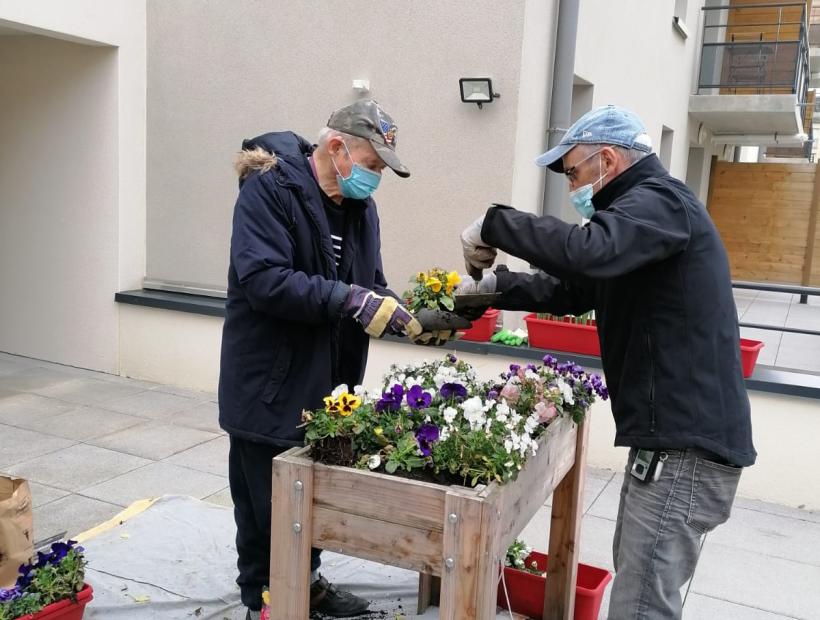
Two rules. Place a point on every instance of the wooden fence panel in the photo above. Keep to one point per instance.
(767, 217)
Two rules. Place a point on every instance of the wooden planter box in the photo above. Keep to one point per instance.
(455, 537)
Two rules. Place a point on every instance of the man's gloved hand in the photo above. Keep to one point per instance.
(468, 286)
(380, 315)
(439, 326)
(477, 254)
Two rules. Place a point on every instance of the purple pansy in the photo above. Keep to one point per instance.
(453, 390)
(452, 358)
(391, 399)
(417, 398)
(426, 435)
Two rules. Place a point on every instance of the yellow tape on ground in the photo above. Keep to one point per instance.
(132, 511)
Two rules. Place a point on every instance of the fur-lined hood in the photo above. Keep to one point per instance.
(254, 159)
(269, 151)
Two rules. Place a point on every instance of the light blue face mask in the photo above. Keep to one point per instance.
(361, 182)
(581, 198)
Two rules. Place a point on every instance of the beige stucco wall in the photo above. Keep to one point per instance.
(58, 201)
(238, 69)
(183, 350)
(72, 175)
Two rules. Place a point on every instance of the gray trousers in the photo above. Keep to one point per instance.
(659, 530)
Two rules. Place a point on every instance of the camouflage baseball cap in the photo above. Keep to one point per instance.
(366, 119)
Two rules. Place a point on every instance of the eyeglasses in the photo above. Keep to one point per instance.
(570, 172)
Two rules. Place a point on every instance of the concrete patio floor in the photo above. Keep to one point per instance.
(91, 443)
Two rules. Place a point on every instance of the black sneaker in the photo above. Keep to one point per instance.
(326, 599)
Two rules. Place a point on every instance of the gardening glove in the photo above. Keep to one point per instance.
(439, 326)
(380, 315)
(478, 256)
(468, 286)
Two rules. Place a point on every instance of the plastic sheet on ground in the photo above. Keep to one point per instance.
(176, 560)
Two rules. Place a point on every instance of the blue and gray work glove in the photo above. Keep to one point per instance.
(380, 315)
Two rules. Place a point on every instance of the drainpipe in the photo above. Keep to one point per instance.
(563, 71)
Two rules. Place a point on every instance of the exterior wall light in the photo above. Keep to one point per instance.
(477, 90)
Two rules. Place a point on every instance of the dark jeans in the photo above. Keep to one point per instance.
(249, 474)
(659, 530)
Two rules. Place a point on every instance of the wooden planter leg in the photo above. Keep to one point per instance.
(462, 552)
(565, 530)
(429, 591)
(291, 538)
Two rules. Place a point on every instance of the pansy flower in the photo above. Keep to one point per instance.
(452, 280)
(434, 284)
(427, 435)
(417, 398)
(453, 391)
(331, 404)
(348, 404)
(391, 400)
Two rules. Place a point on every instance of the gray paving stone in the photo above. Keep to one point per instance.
(804, 317)
(151, 404)
(771, 343)
(777, 509)
(606, 504)
(19, 444)
(154, 480)
(746, 577)
(700, 607)
(221, 498)
(84, 391)
(35, 377)
(73, 514)
(7, 393)
(210, 457)
(20, 409)
(799, 351)
(83, 423)
(770, 535)
(153, 440)
(204, 416)
(766, 312)
(198, 395)
(596, 481)
(42, 494)
(77, 467)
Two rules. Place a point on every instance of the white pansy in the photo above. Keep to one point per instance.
(449, 414)
(508, 445)
(374, 461)
(360, 391)
(339, 390)
(530, 374)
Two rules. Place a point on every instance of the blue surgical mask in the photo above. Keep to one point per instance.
(581, 198)
(361, 182)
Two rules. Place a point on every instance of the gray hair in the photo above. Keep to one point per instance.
(632, 156)
(351, 141)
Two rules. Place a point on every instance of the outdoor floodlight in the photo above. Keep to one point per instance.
(477, 90)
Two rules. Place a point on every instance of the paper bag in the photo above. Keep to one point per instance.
(16, 528)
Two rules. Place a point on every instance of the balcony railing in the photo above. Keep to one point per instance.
(755, 49)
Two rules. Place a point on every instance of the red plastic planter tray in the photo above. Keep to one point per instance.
(749, 350)
(562, 336)
(65, 609)
(483, 327)
(526, 590)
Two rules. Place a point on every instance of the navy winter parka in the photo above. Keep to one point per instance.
(652, 265)
(285, 341)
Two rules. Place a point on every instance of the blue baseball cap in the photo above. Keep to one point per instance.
(608, 124)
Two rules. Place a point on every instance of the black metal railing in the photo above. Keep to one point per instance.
(803, 291)
(768, 53)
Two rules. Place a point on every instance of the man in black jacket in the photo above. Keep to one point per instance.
(306, 291)
(651, 264)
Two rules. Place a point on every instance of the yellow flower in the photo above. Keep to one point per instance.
(331, 405)
(421, 276)
(348, 403)
(452, 279)
(434, 284)
(378, 431)
(266, 597)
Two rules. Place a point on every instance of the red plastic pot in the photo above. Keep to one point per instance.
(526, 590)
(483, 328)
(562, 336)
(749, 350)
(65, 609)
